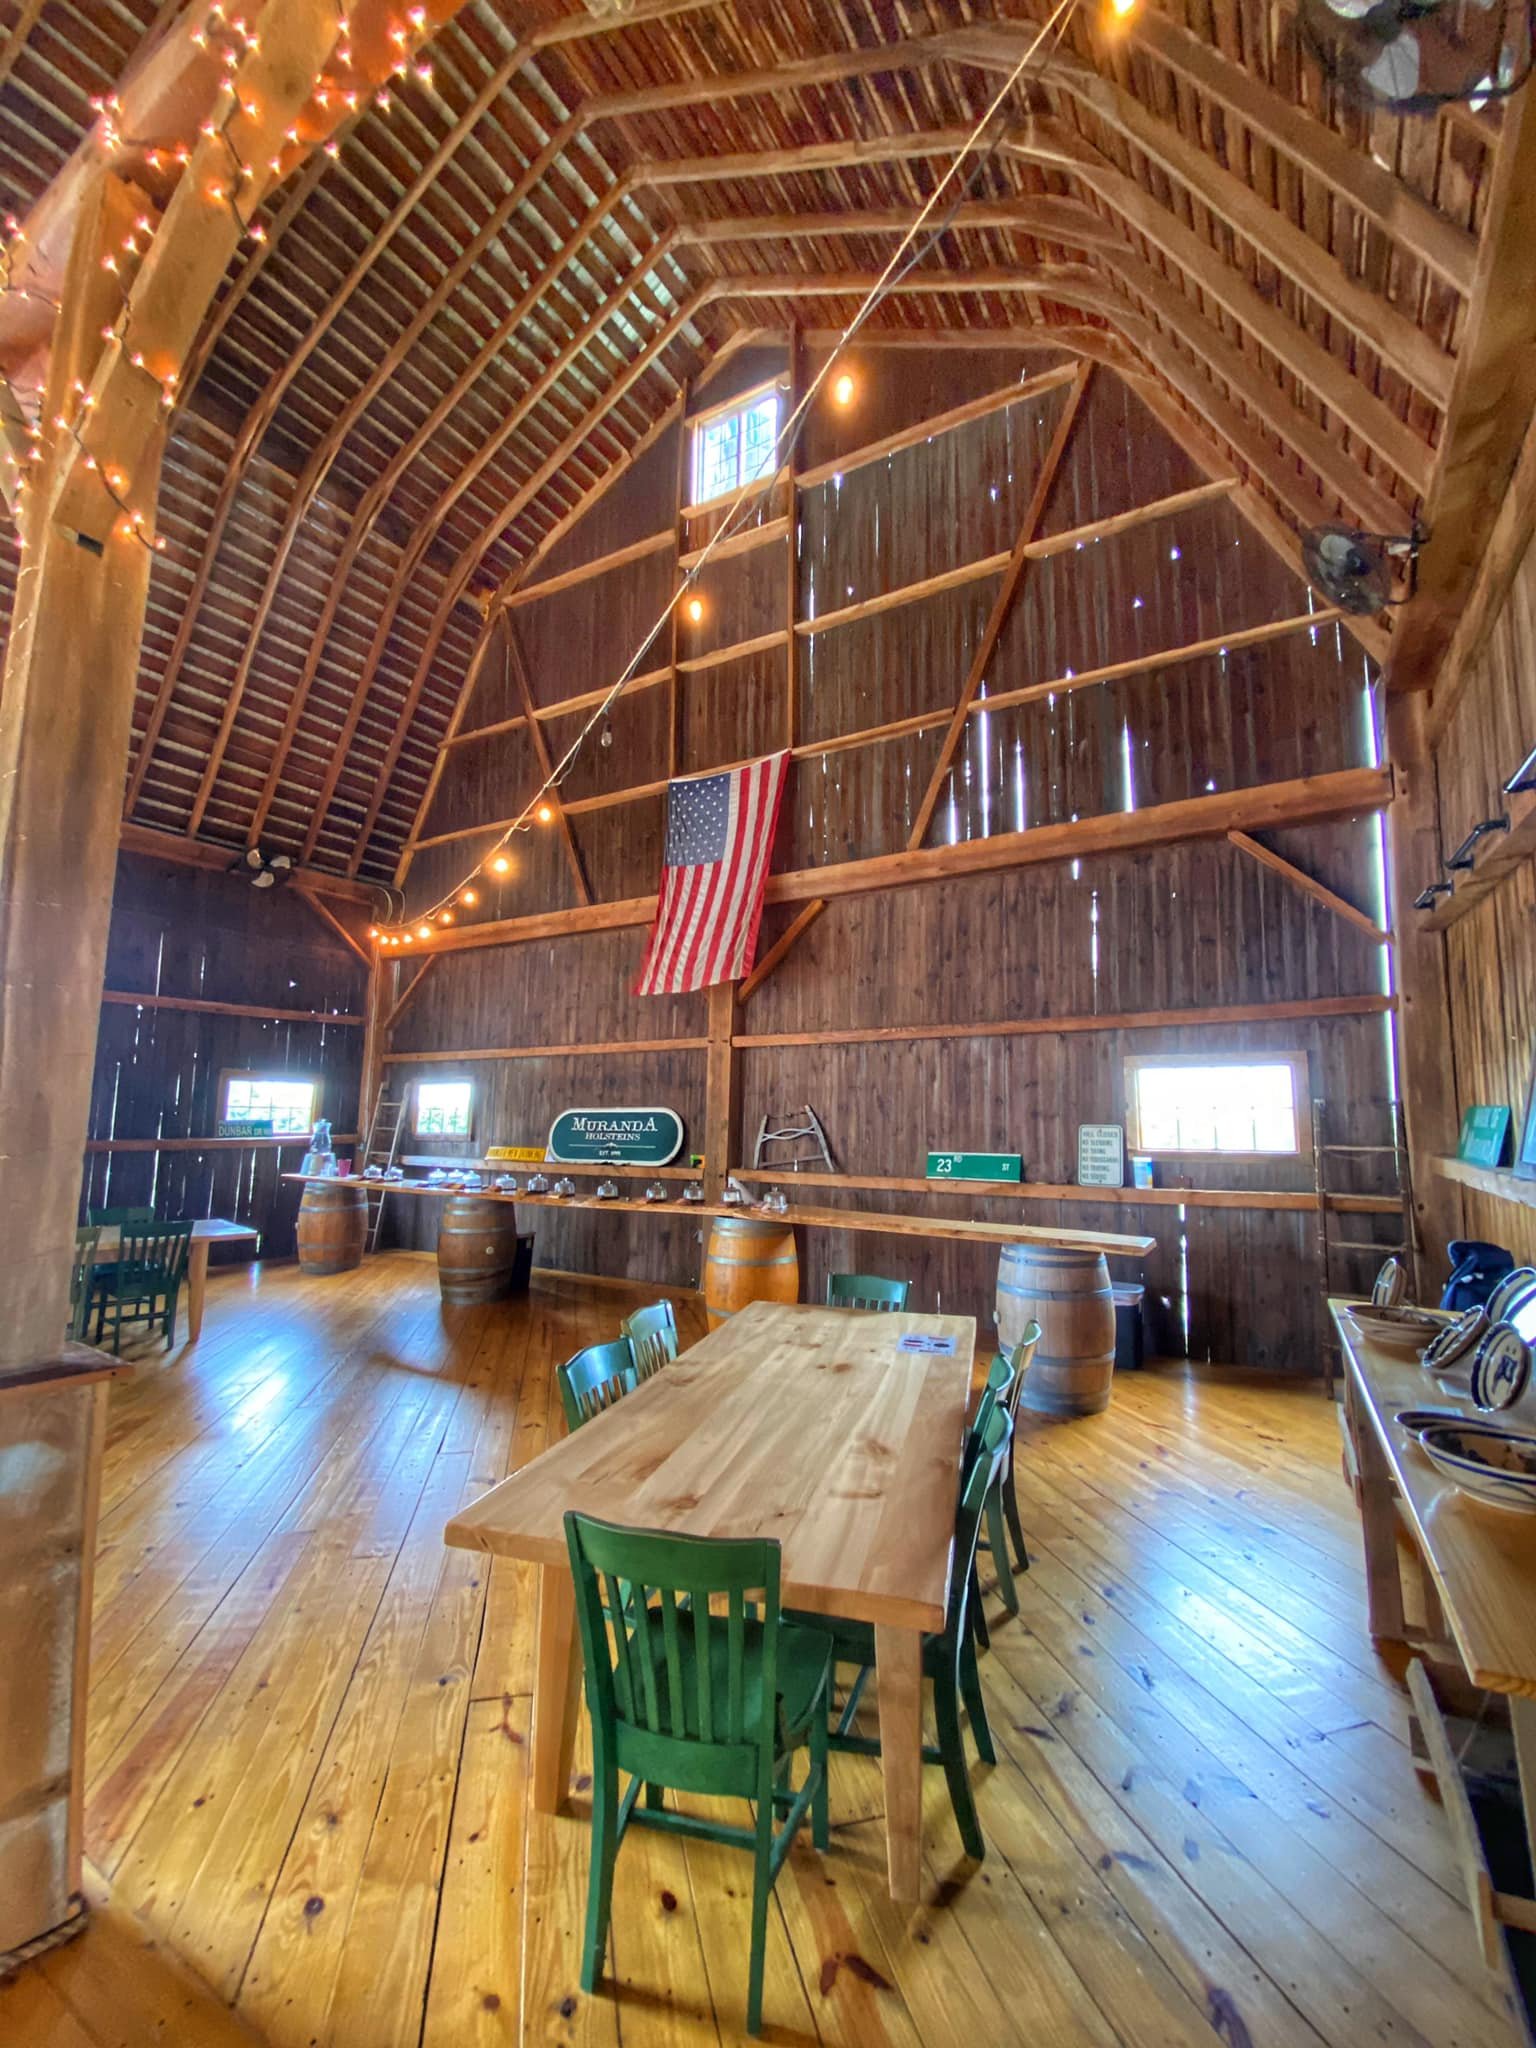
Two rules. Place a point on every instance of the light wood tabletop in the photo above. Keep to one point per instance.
(207, 1231)
(808, 1425)
(1482, 1558)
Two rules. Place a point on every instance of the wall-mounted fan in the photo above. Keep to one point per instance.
(1412, 56)
(262, 871)
(1353, 569)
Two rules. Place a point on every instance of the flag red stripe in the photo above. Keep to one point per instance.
(708, 914)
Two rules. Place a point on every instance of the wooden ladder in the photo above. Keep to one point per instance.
(385, 1128)
(1329, 1247)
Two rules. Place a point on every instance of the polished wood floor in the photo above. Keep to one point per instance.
(309, 1722)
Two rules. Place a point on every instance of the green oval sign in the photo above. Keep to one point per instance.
(621, 1137)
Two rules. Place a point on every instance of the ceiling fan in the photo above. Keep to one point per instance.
(262, 871)
(1353, 569)
(1411, 56)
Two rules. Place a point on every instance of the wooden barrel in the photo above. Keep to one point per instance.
(1069, 1295)
(748, 1260)
(333, 1227)
(477, 1250)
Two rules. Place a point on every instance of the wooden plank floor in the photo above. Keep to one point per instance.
(309, 1737)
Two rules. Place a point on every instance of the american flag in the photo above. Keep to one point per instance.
(719, 839)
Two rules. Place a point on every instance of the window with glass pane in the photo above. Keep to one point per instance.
(442, 1108)
(258, 1098)
(1250, 1106)
(735, 448)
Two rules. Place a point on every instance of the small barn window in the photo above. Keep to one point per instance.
(1238, 1104)
(443, 1108)
(289, 1104)
(734, 445)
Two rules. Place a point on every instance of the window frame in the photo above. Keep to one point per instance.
(742, 403)
(464, 1137)
(1301, 1097)
(312, 1082)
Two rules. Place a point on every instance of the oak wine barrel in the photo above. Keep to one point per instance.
(748, 1260)
(1068, 1293)
(333, 1227)
(480, 1256)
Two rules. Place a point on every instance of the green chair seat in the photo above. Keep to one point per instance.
(866, 1291)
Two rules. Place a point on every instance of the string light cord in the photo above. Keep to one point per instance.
(902, 260)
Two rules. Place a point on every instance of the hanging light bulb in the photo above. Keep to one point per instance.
(544, 814)
(843, 389)
(469, 897)
(695, 609)
(499, 864)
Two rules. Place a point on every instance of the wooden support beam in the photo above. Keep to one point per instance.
(1307, 800)
(796, 392)
(1019, 392)
(546, 765)
(408, 995)
(1002, 604)
(617, 558)
(146, 842)
(722, 1091)
(1490, 411)
(328, 917)
(781, 948)
(602, 1048)
(1309, 886)
(200, 1006)
(1510, 538)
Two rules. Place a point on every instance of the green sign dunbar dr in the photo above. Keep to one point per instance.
(621, 1137)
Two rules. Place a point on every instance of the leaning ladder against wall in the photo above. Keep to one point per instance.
(1331, 1248)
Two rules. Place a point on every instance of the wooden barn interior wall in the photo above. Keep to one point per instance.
(1197, 927)
(203, 936)
(1491, 948)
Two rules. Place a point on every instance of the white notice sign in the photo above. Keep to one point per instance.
(924, 1346)
(1101, 1155)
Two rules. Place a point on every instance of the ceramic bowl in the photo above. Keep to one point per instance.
(1398, 1329)
(1515, 1283)
(1494, 1465)
(1391, 1286)
(1451, 1349)
(1416, 1420)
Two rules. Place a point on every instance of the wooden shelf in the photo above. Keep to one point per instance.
(1053, 1191)
(1499, 1181)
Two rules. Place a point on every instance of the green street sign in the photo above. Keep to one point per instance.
(975, 1166)
(621, 1137)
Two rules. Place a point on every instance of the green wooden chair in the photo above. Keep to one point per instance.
(115, 1218)
(949, 1658)
(685, 1699)
(652, 1332)
(594, 1379)
(999, 1392)
(82, 1274)
(1002, 1505)
(866, 1290)
(144, 1283)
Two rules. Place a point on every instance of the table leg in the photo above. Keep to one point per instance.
(1378, 1527)
(556, 1688)
(197, 1286)
(1522, 1714)
(899, 1677)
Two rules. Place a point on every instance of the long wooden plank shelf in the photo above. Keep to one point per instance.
(1051, 1191)
(1498, 1181)
(883, 1222)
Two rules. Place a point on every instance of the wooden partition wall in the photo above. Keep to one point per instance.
(207, 976)
(1165, 696)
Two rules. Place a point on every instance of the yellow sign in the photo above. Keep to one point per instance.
(497, 1153)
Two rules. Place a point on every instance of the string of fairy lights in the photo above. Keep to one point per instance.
(229, 36)
(427, 924)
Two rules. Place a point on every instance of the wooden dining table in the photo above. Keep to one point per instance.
(207, 1231)
(815, 1427)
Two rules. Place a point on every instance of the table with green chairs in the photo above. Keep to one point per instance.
(206, 1232)
(839, 1436)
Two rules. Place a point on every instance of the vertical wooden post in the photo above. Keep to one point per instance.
(377, 1004)
(679, 499)
(1426, 1043)
(65, 712)
(792, 551)
(722, 1091)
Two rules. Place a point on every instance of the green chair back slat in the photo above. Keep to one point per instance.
(652, 1333)
(594, 1379)
(686, 1698)
(866, 1291)
(113, 1218)
(81, 1274)
(144, 1282)
(1005, 1384)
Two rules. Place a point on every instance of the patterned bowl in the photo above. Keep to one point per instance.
(1399, 1329)
(1451, 1349)
(1493, 1465)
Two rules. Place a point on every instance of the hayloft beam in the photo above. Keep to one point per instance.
(1490, 413)
(1002, 604)
(1308, 885)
